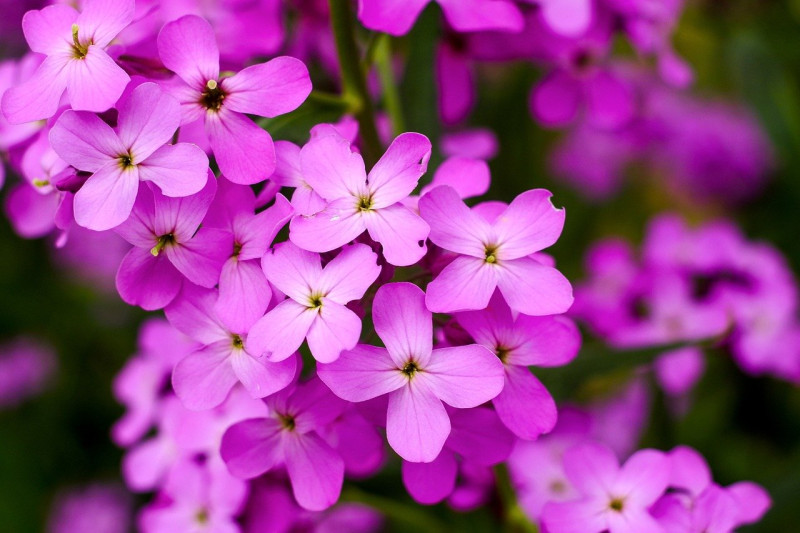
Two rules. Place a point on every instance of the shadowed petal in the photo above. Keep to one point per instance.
(316, 471)
(430, 483)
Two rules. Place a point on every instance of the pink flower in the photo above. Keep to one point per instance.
(290, 437)
(611, 498)
(397, 16)
(243, 150)
(359, 202)
(477, 437)
(196, 498)
(76, 61)
(525, 406)
(204, 378)
(168, 247)
(315, 309)
(120, 158)
(416, 377)
(495, 254)
(244, 292)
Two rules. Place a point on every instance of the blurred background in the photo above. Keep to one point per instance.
(65, 330)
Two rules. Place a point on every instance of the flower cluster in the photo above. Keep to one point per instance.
(322, 300)
(573, 482)
(690, 284)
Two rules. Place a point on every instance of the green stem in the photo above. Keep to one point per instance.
(354, 84)
(391, 96)
(516, 521)
(413, 516)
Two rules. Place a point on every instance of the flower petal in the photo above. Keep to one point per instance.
(336, 225)
(200, 258)
(401, 232)
(416, 423)
(332, 169)
(148, 118)
(95, 82)
(390, 16)
(525, 406)
(47, 30)
(555, 101)
(529, 224)
(316, 471)
(252, 447)
(279, 333)
(244, 152)
(187, 47)
(335, 329)
(102, 20)
(403, 323)
(397, 172)
(268, 89)
(363, 373)
(348, 276)
(107, 197)
(466, 283)
(430, 483)
(532, 288)
(178, 170)
(294, 271)
(244, 294)
(84, 141)
(453, 226)
(464, 376)
(203, 379)
(261, 377)
(147, 281)
(39, 96)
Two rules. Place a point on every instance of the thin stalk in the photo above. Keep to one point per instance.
(391, 96)
(354, 82)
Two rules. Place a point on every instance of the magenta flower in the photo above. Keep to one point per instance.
(197, 498)
(244, 292)
(613, 498)
(243, 150)
(477, 437)
(204, 378)
(525, 406)
(359, 202)
(120, 158)
(315, 309)
(76, 61)
(416, 377)
(496, 255)
(168, 247)
(289, 437)
(397, 16)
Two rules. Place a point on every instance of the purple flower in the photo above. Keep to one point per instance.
(612, 498)
(200, 498)
(477, 437)
(525, 406)
(76, 61)
(92, 509)
(289, 436)
(26, 368)
(120, 158)
(416, 377)
(244, 293)
(315, 308)
(397, 16)
(244, 151)
(495, 254)
(168, 247)
(358, 202)
(203, 379)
